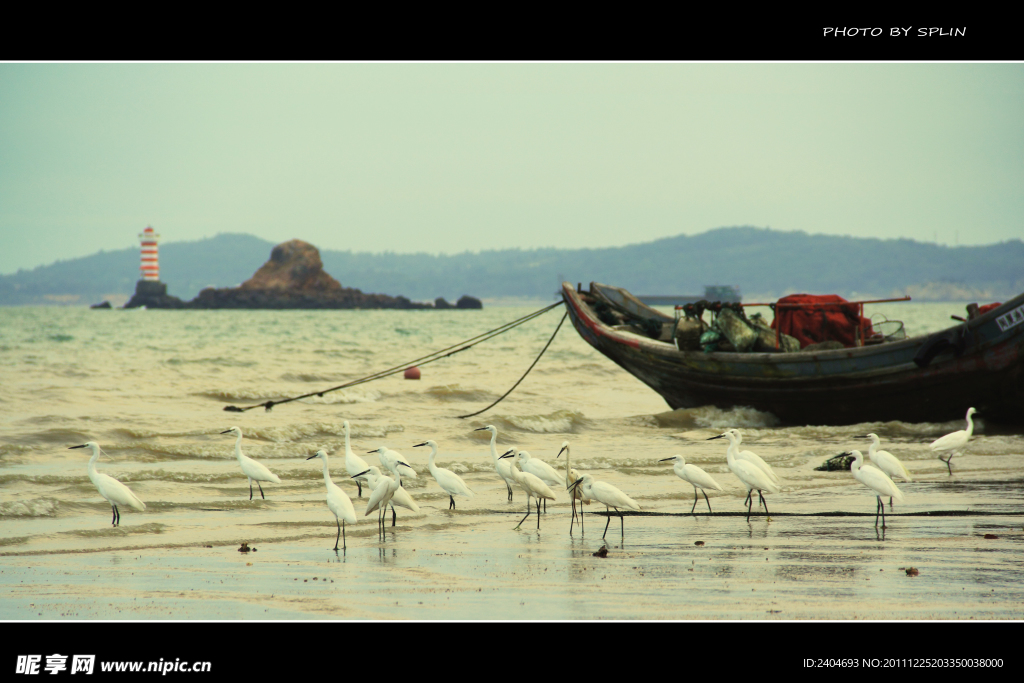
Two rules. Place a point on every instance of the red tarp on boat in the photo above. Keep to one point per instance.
(811, 323)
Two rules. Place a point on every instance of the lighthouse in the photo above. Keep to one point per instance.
(150, 264)
(149, 291)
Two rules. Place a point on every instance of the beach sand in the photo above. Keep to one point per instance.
(811, 561)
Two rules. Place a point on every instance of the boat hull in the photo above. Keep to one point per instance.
(845, 386)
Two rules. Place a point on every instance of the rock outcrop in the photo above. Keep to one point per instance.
(294, 277)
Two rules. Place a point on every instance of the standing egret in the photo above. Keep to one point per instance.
(750, 456)
(696, 476)
(607, 494)
(337, 501)
(401, 498)
(501, 467)
(353, 463)
(255, 471)
(886, 461)
(114, 491)
(876, 480)
(532, 484)
(383, 492)
(954, 443)
(572, 475)
(388, 459)
(446, 479)
(537, 467)
(752, 476)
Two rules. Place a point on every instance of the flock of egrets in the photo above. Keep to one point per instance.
(536, 478)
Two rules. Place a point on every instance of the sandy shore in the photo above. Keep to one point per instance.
(813, 560)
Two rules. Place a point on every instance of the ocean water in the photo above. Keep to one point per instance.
(150, 387)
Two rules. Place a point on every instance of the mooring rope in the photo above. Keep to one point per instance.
(423, 360)
(525, 373)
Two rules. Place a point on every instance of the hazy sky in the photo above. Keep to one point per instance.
(445, 157)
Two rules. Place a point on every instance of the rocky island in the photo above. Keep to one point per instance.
(294, 277)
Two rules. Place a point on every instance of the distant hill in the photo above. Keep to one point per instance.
(760, 261)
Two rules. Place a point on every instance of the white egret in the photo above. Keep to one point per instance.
(446, 479)
(886, 461)
(572, 475)
(750, 456)
(954, 443)
(255, 471)
(540, 469)
(383, 492)
(752, 476)
(696, 476)
(607, 494)
(114, 491)
(337, 501)
(353, 463)
(500, 466)
(401, 498)
(532, 484)
(876, 480)
(388, 458)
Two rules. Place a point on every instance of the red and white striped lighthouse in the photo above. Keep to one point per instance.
(150, 266)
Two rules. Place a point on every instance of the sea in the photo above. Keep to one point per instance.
(151, 387)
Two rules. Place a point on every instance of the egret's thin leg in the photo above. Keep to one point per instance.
(706, 500)
(622, 522)
(338, 537)
(695, 498)
(250, 489)
(393, 515)
(261, 490)
(509, 491)
(527, 513)
(767, 514)
(113, 516)
(608, 510)
(750, 503)
(344, 544)
(538, 515)
(762, 501)
(572, 519)
(452, 506)
(360, 485)
(876, 512)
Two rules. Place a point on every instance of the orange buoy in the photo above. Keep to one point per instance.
(412, 373)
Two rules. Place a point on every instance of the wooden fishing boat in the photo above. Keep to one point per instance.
(928, 378)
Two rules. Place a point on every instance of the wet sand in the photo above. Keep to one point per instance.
(819, 557)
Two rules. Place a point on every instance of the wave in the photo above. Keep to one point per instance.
(457, 392)
(558, 422)
(716, 418)
(34, 507)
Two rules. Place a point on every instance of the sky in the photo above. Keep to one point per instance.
(454, 157)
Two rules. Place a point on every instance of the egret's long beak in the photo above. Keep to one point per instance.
(312, 456)
(574, 484)
(401, 463)
(226, 431)
(480, 429)
(509, 452)
(82, 446)
(865, 436)
(420, 444)
(564, 448)
(667, 459)
(720, 436)
(376, 451)
(356, 475)
(507, 455)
